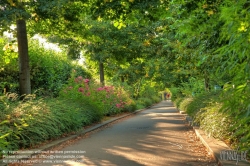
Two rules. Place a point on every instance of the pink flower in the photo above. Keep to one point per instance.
(99, 89)
(88, 94)
(86, 80)
(70, 87)
(118, 105)
(78, 79)
(80, 89)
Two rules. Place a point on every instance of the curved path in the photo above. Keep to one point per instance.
(154, 137)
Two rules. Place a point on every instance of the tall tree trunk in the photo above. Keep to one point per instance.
(24, 70)
(122, 79)
(206, 83)
(101, 70)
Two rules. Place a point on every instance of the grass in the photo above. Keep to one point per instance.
(26, 124)
(208, 111)
(31, 122)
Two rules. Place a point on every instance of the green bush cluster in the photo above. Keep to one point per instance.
(201, 101)
(185, 103)
(214, 122)
(192, 86)
(228, 121)
(49, 70)
(30, 121)
(176, 95)
(145, 102)
(8, 66)
(26, 124)
(148, 96)
(111, 99)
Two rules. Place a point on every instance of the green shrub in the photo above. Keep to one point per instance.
(178, 101)
(149, 91)
(145, 102)
(185, 103)
(50, 70)
(9, 66)
(175, 94)
(213, 122)
(109, 99)
(201, 101)
(130, 106)
(156, 99)
(25, 124)
(222, 116)
(139, 106)
(236, 105)
(192, 86)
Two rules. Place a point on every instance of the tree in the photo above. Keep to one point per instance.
(15, 12)
(24, 70)
(18, 12)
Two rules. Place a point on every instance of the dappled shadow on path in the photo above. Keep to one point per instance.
(164, 140)
(155, 137)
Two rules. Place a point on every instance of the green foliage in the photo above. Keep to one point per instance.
(139, 105)
(156, 99)
(192, 87)
(148, 95)
(201, 101)
(9, 66)
(175, 94)
(145, 102)
(190, 47)
(184, 104)
(109, 99)
(31, 121)
(223, 125)
(236, 105)
(178, 101)
(130, 11)
(50, 70)
(213, 122)
(219, 119)
(217, 52)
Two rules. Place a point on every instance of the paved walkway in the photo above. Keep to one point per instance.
(154, 137)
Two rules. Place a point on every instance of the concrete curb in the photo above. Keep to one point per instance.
(214, 146)
(71, 137)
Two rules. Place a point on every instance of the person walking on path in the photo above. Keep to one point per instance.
(168, 96)
(165, 95)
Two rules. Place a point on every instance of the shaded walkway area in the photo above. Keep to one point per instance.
(154, 137)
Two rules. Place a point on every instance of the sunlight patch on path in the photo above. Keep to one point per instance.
(141, 157)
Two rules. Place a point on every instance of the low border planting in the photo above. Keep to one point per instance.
(30, 122)
(218, 118)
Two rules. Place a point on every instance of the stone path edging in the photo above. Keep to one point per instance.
(71, 137)
(214, 146)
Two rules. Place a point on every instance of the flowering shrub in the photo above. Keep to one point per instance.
(110, 99)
